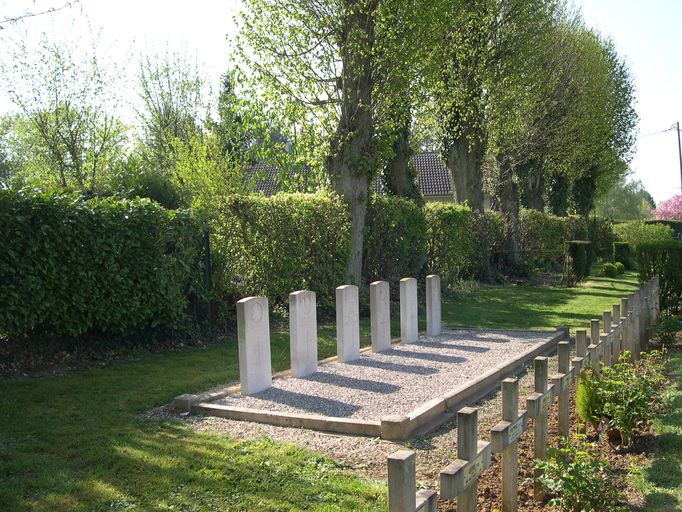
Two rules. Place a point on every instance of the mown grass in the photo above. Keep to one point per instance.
(76, 442)
(661, 481)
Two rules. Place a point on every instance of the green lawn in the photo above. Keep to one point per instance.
(661, 483)
(74, 442)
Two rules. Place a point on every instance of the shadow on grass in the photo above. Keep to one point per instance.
(660, 501)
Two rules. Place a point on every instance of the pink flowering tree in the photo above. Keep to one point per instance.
(670, 209)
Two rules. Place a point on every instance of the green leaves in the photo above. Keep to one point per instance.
(578, 480)
(114, 267)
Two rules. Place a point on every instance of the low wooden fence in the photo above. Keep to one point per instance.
(624, 327)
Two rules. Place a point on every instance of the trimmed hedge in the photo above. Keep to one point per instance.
(72, 267)
(272, 246)
(663, 259)
(675, 225)
(452, 242)
(395, 244)
(638, 232)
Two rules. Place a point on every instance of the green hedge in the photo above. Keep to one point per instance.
(71, 266)
(272, 246)
(675, 225)
(451, 243)
(395, 243)
(600, 233)
(543, 237)
(663, 259)
(637, 232)
(454, 238)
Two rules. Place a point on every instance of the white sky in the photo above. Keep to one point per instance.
(645, 33)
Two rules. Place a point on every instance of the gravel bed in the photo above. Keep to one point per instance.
(396, 381)
(366, 455)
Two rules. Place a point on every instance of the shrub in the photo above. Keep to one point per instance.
(543, 236)
(621, 396)
(634, 233)
(622, 253)
(578, 261)
(675, 225)
(578, 480)
(602, 237)
(73, 267)
(620, 268)
(609, 270)
(587, 403)
(666, 328)
(663, 259)
(272, 246)
(395, 244)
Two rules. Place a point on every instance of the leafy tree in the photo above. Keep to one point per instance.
(68, 129)
(330, 66)
(173, 106)
(626, 200)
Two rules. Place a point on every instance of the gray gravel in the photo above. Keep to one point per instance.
(396, 381)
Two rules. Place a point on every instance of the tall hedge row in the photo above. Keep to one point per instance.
(71, 266)
(663, 259)
(274, 246)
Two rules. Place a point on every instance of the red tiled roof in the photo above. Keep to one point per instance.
(434, 176)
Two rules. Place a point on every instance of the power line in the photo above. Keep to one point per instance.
(672, 128)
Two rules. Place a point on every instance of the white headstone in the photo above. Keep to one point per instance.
(347, 323)
(253, 327)
(408, 310)
(380, 315)
(433, 317)
(303, 333)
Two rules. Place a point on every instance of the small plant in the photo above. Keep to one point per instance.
(620, 268)
(627, 393)
(666, 329)
(621, 397)
(578, 480)
(587, 402)
(609, 270)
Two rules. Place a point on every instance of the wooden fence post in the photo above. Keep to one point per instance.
(565, 380)
(402, 482)
(460, 479)
(617, 344)
(504, 438)
(607, 347)
(402, 485)
(537, 405)
(594, 342)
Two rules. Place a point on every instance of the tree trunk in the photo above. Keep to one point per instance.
(508, 194)
(533, 189)
(558, 195)
(464, 158)
(399, 176)
(352, 155)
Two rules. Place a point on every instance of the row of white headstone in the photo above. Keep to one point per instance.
(253, 325)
